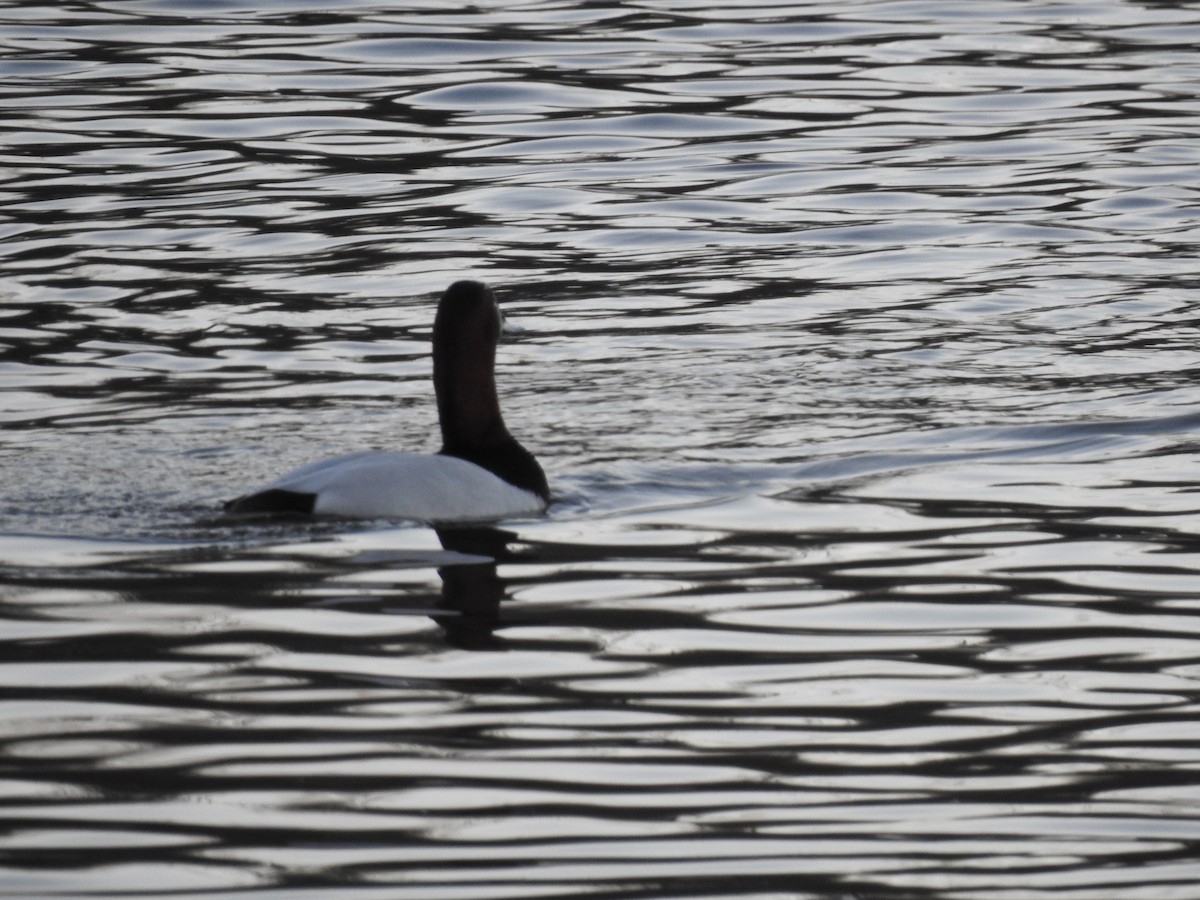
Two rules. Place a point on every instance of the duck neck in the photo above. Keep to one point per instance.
(464, 380)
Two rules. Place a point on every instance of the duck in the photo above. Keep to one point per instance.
(481, 473)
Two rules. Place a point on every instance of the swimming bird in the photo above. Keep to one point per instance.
(481, 472)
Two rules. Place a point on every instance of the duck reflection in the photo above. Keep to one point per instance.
(467, 610)
(472, 590)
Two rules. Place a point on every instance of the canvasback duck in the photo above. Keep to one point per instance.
(481, 473)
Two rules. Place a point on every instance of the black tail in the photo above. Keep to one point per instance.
(275, 502)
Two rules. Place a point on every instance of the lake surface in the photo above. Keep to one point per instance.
(861, 347)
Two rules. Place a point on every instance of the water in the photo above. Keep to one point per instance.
(860, 349)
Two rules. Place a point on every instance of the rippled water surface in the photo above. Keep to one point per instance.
(860, 348)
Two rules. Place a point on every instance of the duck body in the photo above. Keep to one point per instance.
(425, 487)
(481, 473)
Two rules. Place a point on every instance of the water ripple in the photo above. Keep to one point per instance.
(859, 348)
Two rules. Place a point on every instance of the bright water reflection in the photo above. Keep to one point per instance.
(860, 350)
